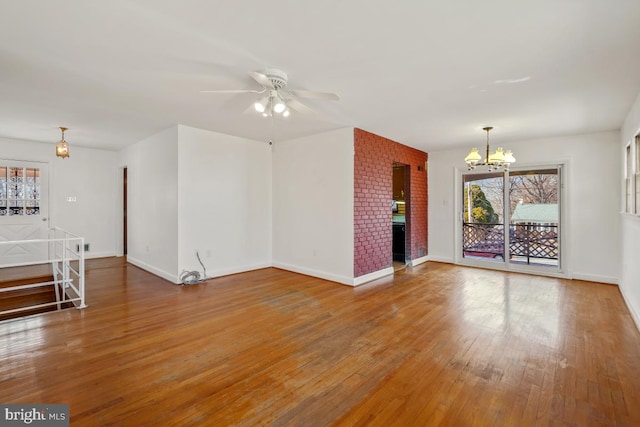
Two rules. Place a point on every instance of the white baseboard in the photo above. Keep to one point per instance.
(345, 280)
(315, 273)
(444, 259)
(151, 269)
(634, 314)
(91, 255)
(371, 276)
(238, 269)
(596, 278)
(210, 274)
(419, 261)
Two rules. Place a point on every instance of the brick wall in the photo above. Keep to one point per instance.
(373, 192)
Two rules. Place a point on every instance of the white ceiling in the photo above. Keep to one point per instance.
(429, 74)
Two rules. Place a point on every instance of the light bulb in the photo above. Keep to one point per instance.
(278, 105)
(261, 105)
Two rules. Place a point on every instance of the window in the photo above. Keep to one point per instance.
(638, 174)
(628, 180)
(19, 191)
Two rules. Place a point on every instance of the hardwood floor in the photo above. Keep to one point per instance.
(436, 345)
(18, 276)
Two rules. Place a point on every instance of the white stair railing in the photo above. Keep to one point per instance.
(65, 254)
(68, 266)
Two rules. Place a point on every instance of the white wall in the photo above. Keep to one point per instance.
(224, 202)
(152, 203)
(630, 230)
(592, 204)
(313, 205)
(89, 175)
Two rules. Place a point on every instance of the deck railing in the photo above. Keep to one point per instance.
(483, 239)
(64, 251)
(530, 240)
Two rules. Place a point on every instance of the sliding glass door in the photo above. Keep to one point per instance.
(512, 218)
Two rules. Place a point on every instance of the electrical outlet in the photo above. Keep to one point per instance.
(72, 199)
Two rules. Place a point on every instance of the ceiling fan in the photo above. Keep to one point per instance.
(277, 98)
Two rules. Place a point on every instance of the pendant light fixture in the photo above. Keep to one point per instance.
(494, 161)
(62, 148)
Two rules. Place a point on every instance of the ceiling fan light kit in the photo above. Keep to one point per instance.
(494, 161)
(274, 82)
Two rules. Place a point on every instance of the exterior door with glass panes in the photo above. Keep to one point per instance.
(23, 212)
(512, 218)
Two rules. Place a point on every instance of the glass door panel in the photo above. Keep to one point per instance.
(534, 212)
(23, 211)
(483, 226)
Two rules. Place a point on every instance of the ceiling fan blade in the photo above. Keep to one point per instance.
(262, 79)
(232, 91)
(249, 110)
(300, 107)
(315, 95)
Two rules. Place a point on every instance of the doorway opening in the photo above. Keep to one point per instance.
(399, 215)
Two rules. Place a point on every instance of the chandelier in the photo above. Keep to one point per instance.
(494, 161)
(272, 103)
(62, 148)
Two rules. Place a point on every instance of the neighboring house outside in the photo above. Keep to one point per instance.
(534, 231)
(542, 214)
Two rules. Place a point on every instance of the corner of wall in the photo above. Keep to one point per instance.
(313, 205)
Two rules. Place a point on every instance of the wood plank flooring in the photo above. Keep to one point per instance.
(16, 276)
(12, 274)
(436, 345)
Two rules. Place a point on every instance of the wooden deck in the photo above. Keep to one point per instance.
(436, 345)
